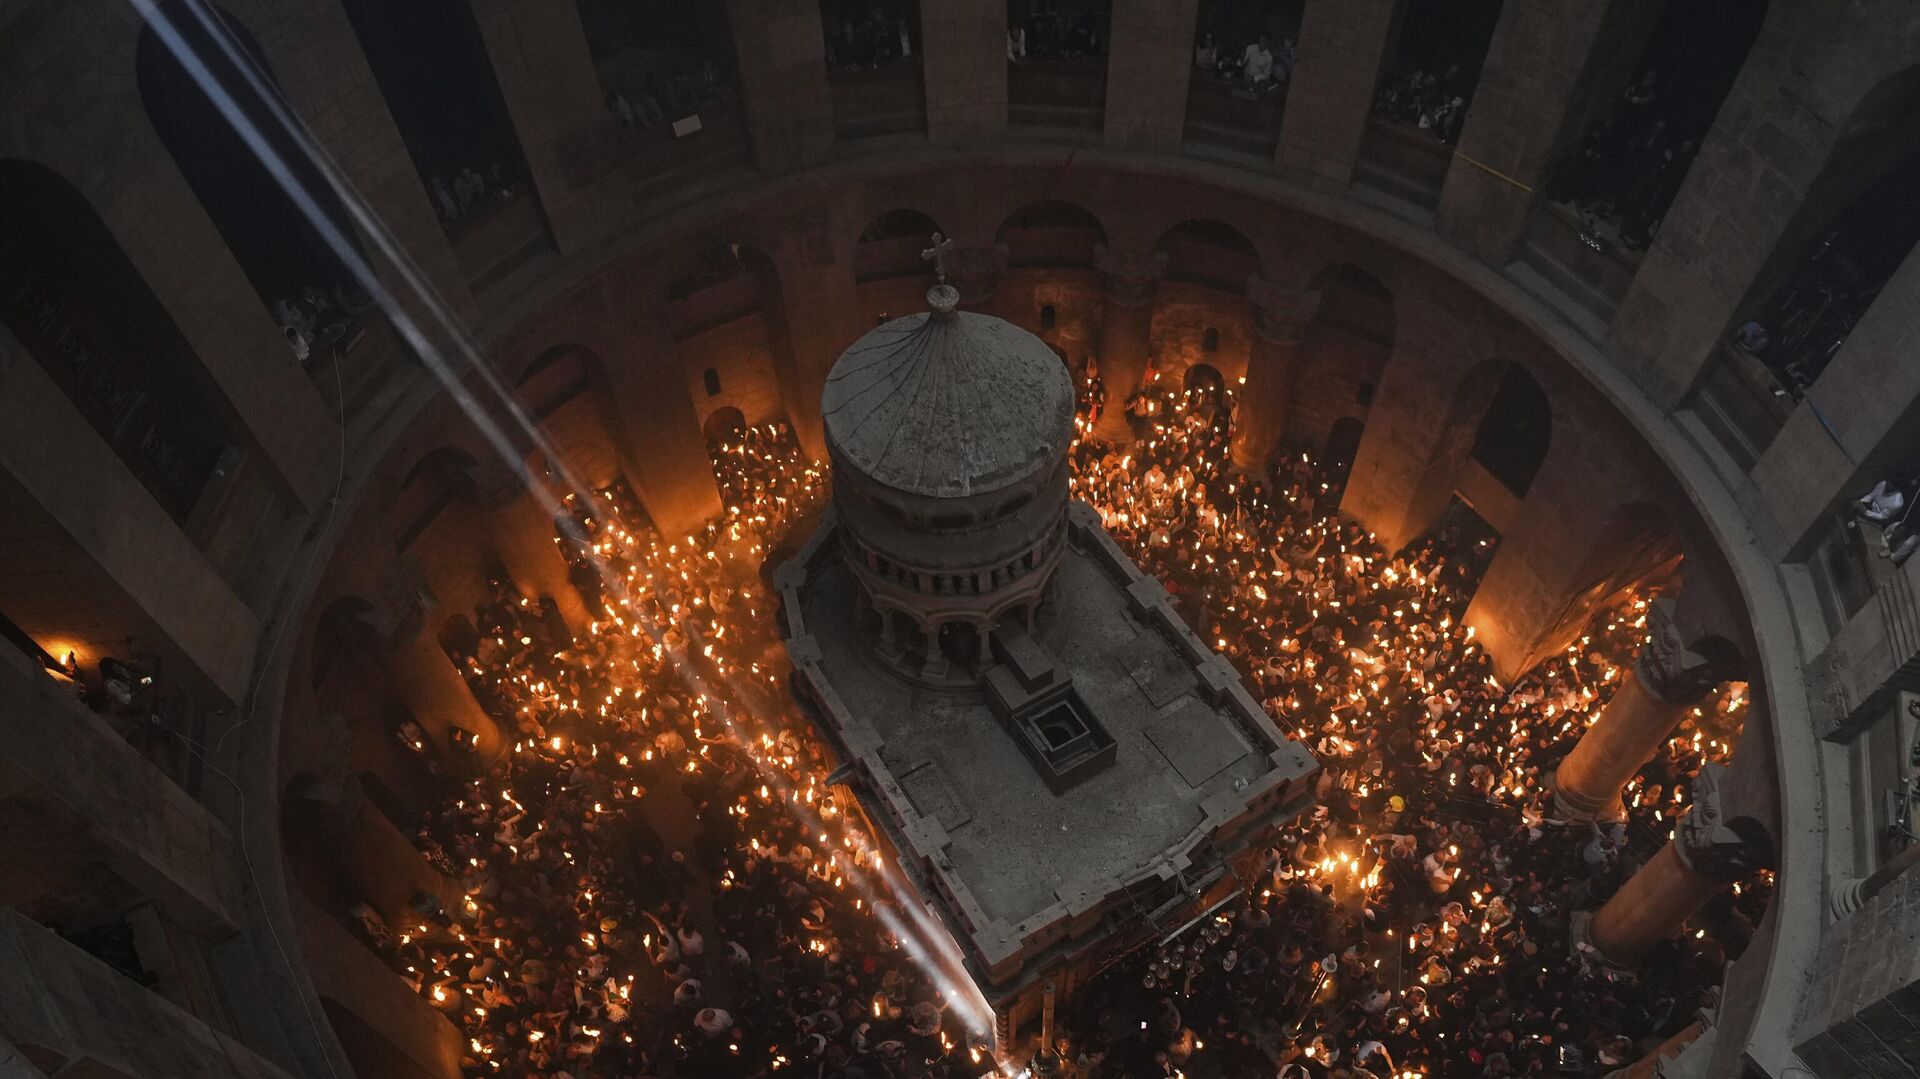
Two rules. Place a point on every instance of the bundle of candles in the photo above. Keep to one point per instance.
(657, 879)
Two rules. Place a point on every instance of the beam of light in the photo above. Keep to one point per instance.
(925, 942)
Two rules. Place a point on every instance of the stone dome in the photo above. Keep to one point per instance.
(947, 403)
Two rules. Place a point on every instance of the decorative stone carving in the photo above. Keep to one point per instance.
(1130, 277)
(1667, 667)
(1710, 842)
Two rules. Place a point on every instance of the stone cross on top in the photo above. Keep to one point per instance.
(937, 254)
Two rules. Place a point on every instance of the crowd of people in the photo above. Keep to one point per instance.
(476, 188)
(1435, 102)
(861, 40)
(657, 879)
(1046, 33)
(649, 98)
(323, 318)
(1628, 165)
(1261, 64)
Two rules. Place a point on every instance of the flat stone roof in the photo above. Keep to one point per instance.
(1194, 751)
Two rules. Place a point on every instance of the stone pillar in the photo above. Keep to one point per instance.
(369, 853)
(1342, 48)
(1545, 63)
(436, 692)
(813, 307)
(1708, 851)
(1128, 282)
(663, 452)
(523, 536)
(782, 53)
(964, 62)
(1281, 317)
(539, 55)
(1666, 679)
(1152, 43)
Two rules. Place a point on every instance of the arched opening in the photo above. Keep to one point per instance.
(865, 35)
(1212, 253)
(1210, 340)
(292, 268)
(1343, 443)
(1515, 431)
(76, 302)
(873, 67)
(1435, 66)
(724, 425)
(1057, 62)
(1051, 234)
(660, 61)
(431, 63)
(892, 245)
(1243, 57)
(710, 381)
(1202, 378)
(1647, 121)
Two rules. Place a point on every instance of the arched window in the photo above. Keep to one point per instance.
(1515, 430)
(711, 379)
(1048, 316)
(1210, 341)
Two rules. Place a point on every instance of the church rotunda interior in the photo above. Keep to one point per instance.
(935, 539)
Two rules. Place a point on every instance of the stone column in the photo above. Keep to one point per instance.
(663, 452)
(1544, 67)
(1281, 317)
(782, 53)
(377, 862)
(436, 692)
(1152, 43)
(1128, 282)
(1342, 48)
(538, 52)
(1708, 851)
(964, 62)
(523, 536)
(1666, 679)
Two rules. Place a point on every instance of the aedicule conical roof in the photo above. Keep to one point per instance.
(948, 403)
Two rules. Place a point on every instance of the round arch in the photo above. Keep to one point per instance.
(1207, 251)
(1051, 233)
(891, 245)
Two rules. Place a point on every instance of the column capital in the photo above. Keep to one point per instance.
(1710, 842)
(1670, 670)
(1281, 315)
(1129, 278)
